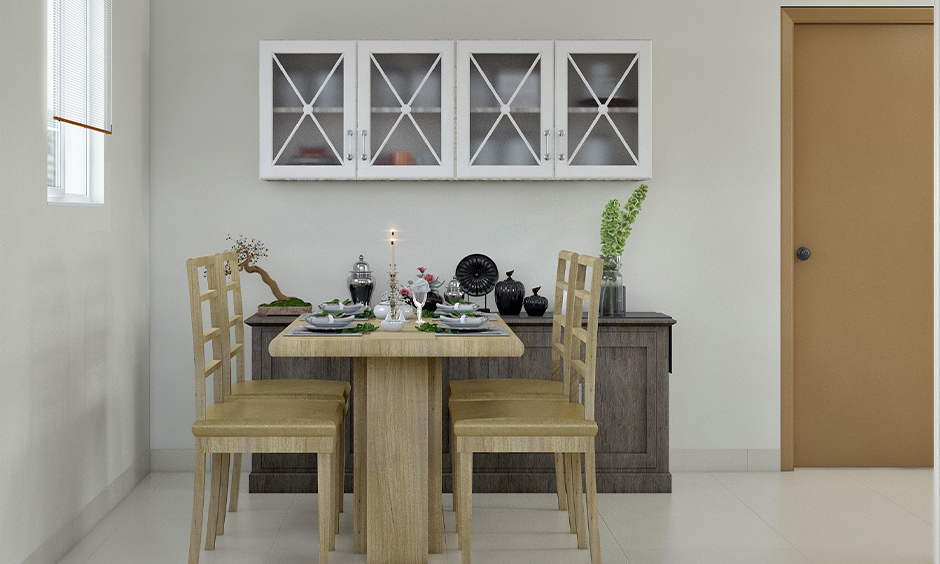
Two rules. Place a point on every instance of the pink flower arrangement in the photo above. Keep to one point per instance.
(405, 292)
(432, 280)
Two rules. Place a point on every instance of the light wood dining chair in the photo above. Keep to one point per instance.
(249, 424)
(233, 317)
(535, 425)
(553, 388)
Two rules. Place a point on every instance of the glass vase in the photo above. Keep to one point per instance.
(613, 300)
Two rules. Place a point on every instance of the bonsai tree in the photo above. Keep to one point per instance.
(248, 254)
(617, 223)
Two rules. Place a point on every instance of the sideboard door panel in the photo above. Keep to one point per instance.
(626, 368)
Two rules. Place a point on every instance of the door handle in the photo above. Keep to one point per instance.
(803, 253)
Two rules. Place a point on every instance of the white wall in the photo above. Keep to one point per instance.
(705, 248)
(74, 298)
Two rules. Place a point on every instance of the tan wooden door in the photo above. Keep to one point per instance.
(862, 184)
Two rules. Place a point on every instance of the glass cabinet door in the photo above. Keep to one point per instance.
(406, 109)
(308, 91)
(603, 117)
(504, 109)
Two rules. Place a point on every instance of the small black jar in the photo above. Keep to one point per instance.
(509, 295)
(535, 305)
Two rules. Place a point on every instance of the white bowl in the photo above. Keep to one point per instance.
(381, 310)
(393, 324)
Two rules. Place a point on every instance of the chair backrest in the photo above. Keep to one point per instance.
(559, 321)
(202, 334)
(233, 317)
(584, 292)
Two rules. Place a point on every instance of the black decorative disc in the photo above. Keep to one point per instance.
(477, 274)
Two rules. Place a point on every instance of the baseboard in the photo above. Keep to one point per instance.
(680, 460)
(181, 460)
(724, 460)
(62, 541)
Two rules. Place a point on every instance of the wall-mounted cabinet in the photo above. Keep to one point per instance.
(494, 110)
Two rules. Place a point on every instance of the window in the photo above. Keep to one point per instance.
(78, 104)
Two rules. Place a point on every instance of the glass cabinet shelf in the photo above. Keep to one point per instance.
(300, 110)
(496, 110)
(397, 110)
(618, 110)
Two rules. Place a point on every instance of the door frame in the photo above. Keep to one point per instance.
(789, 18)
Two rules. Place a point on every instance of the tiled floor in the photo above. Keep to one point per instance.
(878, 516)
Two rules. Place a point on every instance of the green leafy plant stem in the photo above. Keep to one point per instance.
(617, 223)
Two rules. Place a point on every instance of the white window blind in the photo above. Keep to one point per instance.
(81, 63)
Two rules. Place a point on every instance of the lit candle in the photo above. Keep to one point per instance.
(393, 252)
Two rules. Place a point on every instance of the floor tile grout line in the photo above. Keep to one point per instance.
(612, 535)
(121, 522)
(751, 509)
(853, 478)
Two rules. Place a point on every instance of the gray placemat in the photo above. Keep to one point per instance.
(300, 331)
(496, 332)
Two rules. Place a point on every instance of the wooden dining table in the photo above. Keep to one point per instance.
(397, 407)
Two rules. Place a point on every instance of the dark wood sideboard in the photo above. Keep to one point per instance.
(634, 360)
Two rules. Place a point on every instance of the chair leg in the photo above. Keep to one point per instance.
(453, 472)
(325, 505)
(223, 493)
(199, 500)
(560, 482)
(581, 526)
(465, 487)
(569, 492)
(213, 519)
(342, 469)
(236, 482)
(590, 478)
(337, 489)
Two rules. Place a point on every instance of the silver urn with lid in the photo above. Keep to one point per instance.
(453, 293)
(360, 282)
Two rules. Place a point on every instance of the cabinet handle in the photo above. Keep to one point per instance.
(365, 151)
(561, 142)
(350, 142)
(547, 156)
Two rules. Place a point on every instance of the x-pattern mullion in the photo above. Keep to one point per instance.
(508, 105)
(605, 105)
(313, 118)
(405, 108)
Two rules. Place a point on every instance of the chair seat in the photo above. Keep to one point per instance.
(271, 417)
(327, 388)
(505, 389)
(514, 418)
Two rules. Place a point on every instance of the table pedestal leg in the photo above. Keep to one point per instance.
(397, 449)
(359, 393)
(435, 448)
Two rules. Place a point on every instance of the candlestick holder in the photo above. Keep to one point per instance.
(394, 300)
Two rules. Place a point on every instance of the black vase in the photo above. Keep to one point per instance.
(535, 305)
(509, 295)
(433, 299)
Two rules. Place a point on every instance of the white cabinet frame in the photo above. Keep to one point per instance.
(268, 64)
(454, 160)
(545, 51)
(643, 152)
(445, 156)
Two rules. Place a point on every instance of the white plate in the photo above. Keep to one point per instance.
(470, 328)
(468, 322)
(450, 308)
(325, 321)
(345, 309)
(327, 329)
